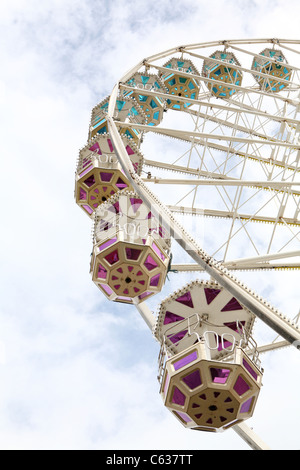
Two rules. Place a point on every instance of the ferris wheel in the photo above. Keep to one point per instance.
(192, 168)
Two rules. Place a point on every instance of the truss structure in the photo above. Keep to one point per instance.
(231, 160)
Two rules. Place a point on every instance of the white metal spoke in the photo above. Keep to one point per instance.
(238, 67)
(202, 139)
(202, 135)
(266, 262)
(227, 214)
(217, 82)
(226, 182)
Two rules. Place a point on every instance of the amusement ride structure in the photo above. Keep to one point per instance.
(192, 166)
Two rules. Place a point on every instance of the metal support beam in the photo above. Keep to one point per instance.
(146, 314)
(207, 104)
(272, 347)
(228, 182)
(184, 169)
(201, 173)
(259, 56)
(243, 69)
(218, 271)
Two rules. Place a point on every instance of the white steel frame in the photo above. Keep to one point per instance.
(249, 147)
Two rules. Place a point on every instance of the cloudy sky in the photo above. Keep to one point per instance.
(76, 371)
